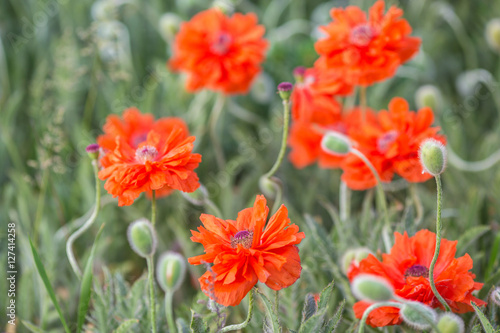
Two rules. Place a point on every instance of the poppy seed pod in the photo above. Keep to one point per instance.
(335, 143)
(142, 238)
(285, 90)
(372, 288)
(93, 151)
(170, 271)
(450, 323)
(428, 96)
(354, 256)
(432, 155)
(417, 315)
(493, 34)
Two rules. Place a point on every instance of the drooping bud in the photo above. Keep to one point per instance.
(335, 143)
(450, 323)
(428, 96)
(225, 6)
(285, 90)
(93, 151)
(495, 296)
(197, 197)
(169, 26)
(493, 34)
(354, 256)
(418, 315)
(432, 155)
(142, 238)
(170, 271)
(372, 288)
(270, 187)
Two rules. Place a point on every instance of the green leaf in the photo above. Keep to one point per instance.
(335, 321)
(48, 286)
(470, 236)
(314, 323)
(476, 329)
(126, 326)
(272, 321)
(182, 326)
(86, 285)
(31, 327)
(482, 318)
(310, 307)
(197, 324)
(325, 295)
(492, 280)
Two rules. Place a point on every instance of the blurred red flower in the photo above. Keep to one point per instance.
(218, 52)
(141, 155)
(366, 50)
(407, 269)
(246, 251)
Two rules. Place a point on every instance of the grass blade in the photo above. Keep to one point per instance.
(48, 286)
(482, 318)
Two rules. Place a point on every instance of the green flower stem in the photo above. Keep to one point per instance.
(249, 316)
(211, 205)
(281, 155)
(152, 303)
(169, 312)
(87, 224)
(214, 117)
(372, 307)
(153, 208)
(380, 196)
(277, 303)
(438, 244)
(345, 202)
(418, 204)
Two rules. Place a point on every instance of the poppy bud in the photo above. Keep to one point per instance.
(450, 323)
(142, 238)
(428, 96)
(224, 6)
(335, 143)
(417, 315)
(372, 288)
(269, 187)
(285, 90)
(169, 26)
(170, 271)
(495, 296)
(354, 256)
(298, 74)
(432, 156)
(93, 151)
(493, 34)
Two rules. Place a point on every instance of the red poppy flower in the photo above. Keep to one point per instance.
(219, 52)
(246, 251)
(142, 155)
(366, 50)
(407, 269)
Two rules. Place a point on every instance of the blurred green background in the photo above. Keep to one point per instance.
(66, 65)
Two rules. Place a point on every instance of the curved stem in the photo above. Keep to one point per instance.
(169, 312)
(211, 205)
(249, 316)
(476, 166)
(372, 307)
(86, 225)
(152, 303)
(214, 117)
(380, 197)
(153, 208)
(281, 155)
(438, 244)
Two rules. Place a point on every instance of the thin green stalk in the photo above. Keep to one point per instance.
(345, 201)
(277, 302)
(380, 197)
(372, 307)
(417, 203)
(438, 243)
(169, 312)
(281, 155)
(87, 224)
(153, 207)
(41, 204)
(214, 117)
(211, 205)
(249, 316)
(152, 303)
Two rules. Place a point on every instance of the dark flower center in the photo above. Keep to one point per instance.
(221, 44)
(361, 35)
(243, 237)
(416, 271)
(146, 153)
(386, 139)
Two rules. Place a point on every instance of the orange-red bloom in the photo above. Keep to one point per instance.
(218, 52)
(407, 269)
(246, 251)
(142, 155)
(366, 50)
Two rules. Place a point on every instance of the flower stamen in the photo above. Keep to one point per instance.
(146, 153)
(221, 44)
(361, 35)
(243, 237)
(417, 271)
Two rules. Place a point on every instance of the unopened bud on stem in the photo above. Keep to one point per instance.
(142, 238)
(372, 288)
(335, 143)
(432, 156)
(450, 323)
(170, 271)
(418, 315)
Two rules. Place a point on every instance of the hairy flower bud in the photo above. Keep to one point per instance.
(418, 315)
(142, 238)
(495, 296)
(428, 96)
(336, 143)
(450, 323)
(372, 288)
(493, 34)
(170, 271)
(270, 186)
(432, 156)
(354, 256)
(169, 26)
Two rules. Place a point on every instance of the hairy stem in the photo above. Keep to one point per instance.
(281, 155)
(249, 316)
(372, 307)
(169, 312)
(152, 303)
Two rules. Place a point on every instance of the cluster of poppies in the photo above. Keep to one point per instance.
(224, 54)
